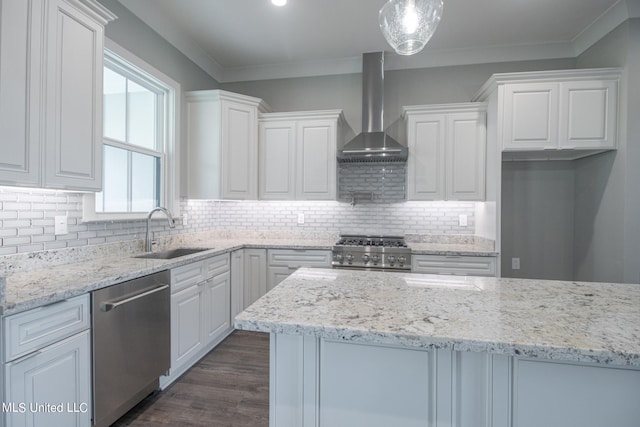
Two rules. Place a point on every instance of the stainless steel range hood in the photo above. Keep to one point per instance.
(372, 144)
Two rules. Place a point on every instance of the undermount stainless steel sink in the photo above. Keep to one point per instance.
(172, 253)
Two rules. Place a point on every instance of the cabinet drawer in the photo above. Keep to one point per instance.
(460, 265)
(298, 258)
(187, 275)
(217, 265)
(34, 329)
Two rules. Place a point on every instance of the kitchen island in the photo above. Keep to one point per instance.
(357, 348)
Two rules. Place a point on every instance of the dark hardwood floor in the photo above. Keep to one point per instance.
(228, 387)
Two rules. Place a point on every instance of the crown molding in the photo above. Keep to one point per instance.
(609, 20)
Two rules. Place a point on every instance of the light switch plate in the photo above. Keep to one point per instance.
(60, 225)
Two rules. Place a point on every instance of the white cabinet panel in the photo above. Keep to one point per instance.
(20, 58)
(298, 155)
(216, 301)
(458, 265)
(588, 114)
(530, 116)
(239, 151)
(255, 275)
(237, 283)
(447, 152)
(316, 160)
(283, 262)
(557, 394)
(466, 156)
(277, 160)
(222, 139)
(34, 329)
(277, 275)
(373, 386)
(59, 374)
(186, 325)
(426, 162)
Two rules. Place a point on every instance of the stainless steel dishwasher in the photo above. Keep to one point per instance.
(131, 344)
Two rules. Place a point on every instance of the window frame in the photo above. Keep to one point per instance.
(169, 125)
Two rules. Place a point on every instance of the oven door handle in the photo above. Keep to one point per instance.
(113, 304)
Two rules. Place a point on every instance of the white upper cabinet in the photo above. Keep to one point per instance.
(20, 54)
(554, 114)
(298, 155)
(51, 82)
(223, 145)
(447, 152)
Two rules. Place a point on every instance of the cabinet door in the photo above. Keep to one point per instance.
(186, 325)
(316, 165)
(73, 138)
(20, 58)
(466, 151)
(255, 275)
(588, 114)
(237, 282)
(530, 116)
(277, 160)
(277, 275)
(59, 374)
(426, 163)
(216, 306)
(239, 151)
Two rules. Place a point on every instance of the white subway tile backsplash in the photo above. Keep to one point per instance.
(27, 217)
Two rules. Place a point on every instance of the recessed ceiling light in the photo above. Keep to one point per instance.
(279, 2)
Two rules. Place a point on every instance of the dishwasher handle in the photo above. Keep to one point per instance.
(110, 305)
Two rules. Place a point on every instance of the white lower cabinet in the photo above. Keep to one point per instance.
(318, 382)
(454, 264)
(237, 283)
(200, 311)
(51, 387)
(47, 369)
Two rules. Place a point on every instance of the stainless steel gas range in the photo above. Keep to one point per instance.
(388, 253)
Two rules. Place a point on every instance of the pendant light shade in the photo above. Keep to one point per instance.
(409, 24)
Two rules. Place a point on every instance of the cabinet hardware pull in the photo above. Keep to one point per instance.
(108, 306)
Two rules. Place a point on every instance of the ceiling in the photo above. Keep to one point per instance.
(239, 40)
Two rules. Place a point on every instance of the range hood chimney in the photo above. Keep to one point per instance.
(372, 144)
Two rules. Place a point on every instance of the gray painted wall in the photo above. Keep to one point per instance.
(537, 219)
(137, 37)
(402, 87)
(607, 200)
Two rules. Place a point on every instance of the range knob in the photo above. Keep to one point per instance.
(391, 259)
(349, 258)
(375, 258)
(338, 257)
(365, 258)
(402, 260)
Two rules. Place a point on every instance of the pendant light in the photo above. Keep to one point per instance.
(409, 24)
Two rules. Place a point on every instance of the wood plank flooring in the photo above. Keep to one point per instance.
(228, 388)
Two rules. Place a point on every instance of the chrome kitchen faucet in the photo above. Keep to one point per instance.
(172, 224)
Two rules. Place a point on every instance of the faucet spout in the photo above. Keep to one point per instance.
(170, 219)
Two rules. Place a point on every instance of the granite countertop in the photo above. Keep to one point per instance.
(571, 321)
(35, 287)
(41, 278)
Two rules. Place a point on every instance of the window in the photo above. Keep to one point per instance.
(139, 135)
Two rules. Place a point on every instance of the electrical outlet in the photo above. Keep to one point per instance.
(60, 225)
(185, 219)
(462, 220)
(301, 218)
(515, 263)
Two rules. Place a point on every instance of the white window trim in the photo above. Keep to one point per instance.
(171, 177)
